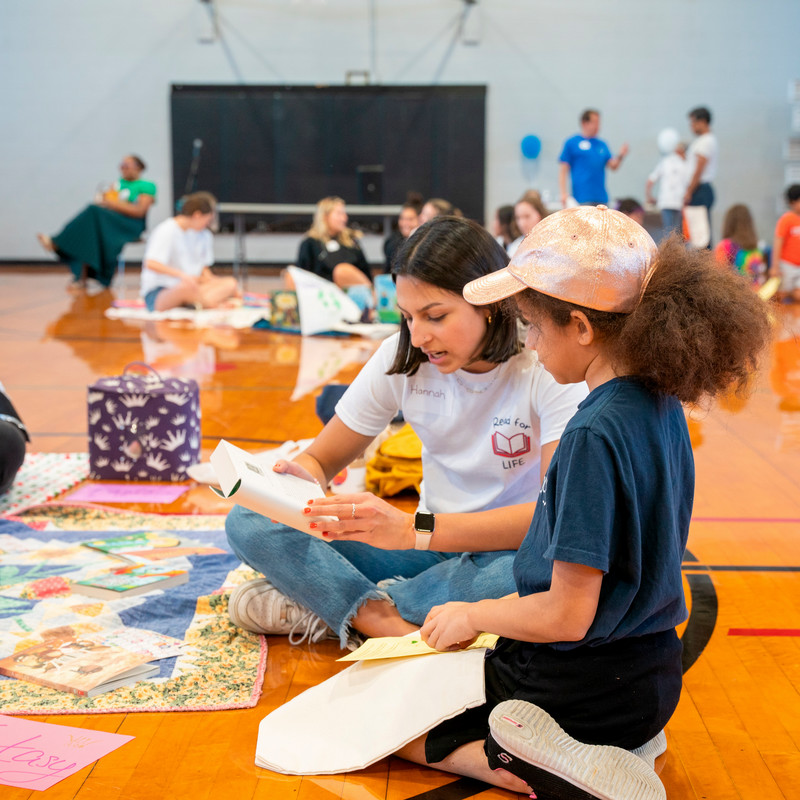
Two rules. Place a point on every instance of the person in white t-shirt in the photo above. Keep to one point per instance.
(178, 259)
(489, 417)
(671, 179)
(701, 157)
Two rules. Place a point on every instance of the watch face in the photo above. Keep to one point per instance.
(424, 521)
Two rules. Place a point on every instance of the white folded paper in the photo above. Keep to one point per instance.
(368, 711)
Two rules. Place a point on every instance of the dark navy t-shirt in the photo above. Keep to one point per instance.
(587, 159)
(617, 497)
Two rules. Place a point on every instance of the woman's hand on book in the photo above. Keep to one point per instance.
(364, 517)
(447, 627)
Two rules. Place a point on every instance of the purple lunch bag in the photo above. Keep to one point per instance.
(143, 427)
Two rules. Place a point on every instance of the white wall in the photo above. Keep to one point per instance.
(85, 82)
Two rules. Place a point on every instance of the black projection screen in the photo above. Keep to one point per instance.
(370, 145)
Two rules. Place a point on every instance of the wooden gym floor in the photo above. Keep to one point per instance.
(736, 733)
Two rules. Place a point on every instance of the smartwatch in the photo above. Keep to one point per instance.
(424, 523)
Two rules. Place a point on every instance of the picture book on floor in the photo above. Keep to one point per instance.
(82, 663)
(130, 580)
(254, 485)
(132, 547)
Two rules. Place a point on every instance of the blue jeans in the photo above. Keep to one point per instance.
(334, 579)
(703, 195)
(671, 221)
(150, 297)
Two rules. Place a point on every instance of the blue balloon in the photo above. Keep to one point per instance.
(531, 146)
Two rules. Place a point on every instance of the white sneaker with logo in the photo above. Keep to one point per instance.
(527, 742)
(259, 607)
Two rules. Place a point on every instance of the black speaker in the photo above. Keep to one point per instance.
(370, 184)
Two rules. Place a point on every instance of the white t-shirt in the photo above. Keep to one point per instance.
(189, 251)
(480, 448)
(706, 146)
(514, 246)
(672, 176)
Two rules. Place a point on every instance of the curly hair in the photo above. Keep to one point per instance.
(697, 332)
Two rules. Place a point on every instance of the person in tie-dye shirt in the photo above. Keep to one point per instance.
(739, 246)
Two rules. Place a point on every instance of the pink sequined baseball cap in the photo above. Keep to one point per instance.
(592, 256)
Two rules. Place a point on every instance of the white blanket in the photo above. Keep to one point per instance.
(204, 318)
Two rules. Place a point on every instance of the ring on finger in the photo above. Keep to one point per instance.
(354, 510)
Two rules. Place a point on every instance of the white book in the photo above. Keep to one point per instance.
(253, 484)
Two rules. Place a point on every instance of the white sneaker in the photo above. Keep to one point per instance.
(527, 742)
(259, 607)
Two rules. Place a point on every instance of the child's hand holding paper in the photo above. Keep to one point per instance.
(402, 646)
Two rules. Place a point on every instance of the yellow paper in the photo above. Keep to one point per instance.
(402, 646)
(768, 290)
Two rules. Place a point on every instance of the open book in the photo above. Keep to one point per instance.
(84, 664)
(516, 445)
(254, 485)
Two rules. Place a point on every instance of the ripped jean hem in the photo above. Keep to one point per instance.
(349, 636)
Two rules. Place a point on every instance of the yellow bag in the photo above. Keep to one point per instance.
(396, 465)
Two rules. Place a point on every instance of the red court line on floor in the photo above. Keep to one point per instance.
(763, 631)
(746, 519)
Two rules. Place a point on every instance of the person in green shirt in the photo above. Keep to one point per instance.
(92, 241)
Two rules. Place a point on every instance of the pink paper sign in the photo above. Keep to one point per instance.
(36, 755)
(129, 492)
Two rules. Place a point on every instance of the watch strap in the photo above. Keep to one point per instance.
(423, 540)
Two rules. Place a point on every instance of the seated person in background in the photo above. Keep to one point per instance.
(505, 227)
(436, 207)
(528, 211)
(452, 367)
(91, 242)
(786, 248)
(177, 261)
(331, 249)
(632, 208)
(13, 436)
(739, 246)
(407, 223)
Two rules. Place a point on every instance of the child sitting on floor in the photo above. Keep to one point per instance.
(178, 259)
(739, 246)
(588, 666)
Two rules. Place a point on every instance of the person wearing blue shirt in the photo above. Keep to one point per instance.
(584, 158)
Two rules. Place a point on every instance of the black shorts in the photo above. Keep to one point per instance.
(620, 694)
